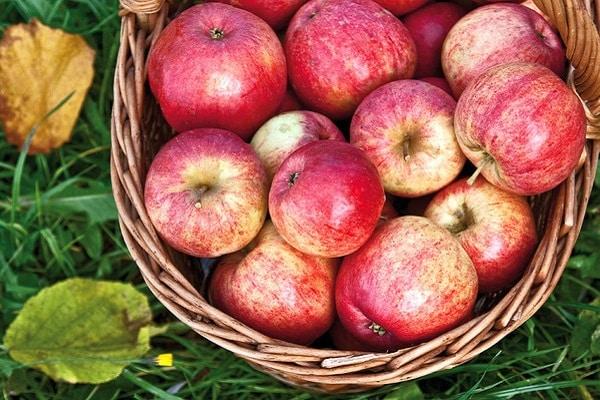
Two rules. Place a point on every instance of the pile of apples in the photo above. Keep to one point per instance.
(358, 100)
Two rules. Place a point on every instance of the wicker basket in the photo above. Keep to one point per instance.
(138, 130)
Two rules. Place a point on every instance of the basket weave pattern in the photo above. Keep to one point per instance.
(138, 130)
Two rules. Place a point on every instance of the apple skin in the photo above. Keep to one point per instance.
(412, 279)
(498, 34)
(276, 289)
(531, 4)
(343, 340)
(401, 7)
(439, 82)
(276, 13)
(406, 129)
(522, 127)
(235, 82)
(338, 51)
(206, 193)
(290, 103)
(495, 227)
(282, 135)
(326, 199)
(428, 27)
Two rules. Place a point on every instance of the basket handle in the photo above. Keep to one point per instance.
(580, 34)
(142, 6)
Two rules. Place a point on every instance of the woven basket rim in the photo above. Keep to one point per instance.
(135, 127)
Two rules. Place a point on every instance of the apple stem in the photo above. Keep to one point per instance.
(199, 192)
(406, 149)
(484, 162)
(378, 329)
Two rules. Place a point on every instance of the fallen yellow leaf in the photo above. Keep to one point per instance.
(39, 67)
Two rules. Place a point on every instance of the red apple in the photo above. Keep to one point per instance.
(277, 290)
(495, 227)
(429, 26)
(439, 82)
(276, 13)
(338, 51)
(290, 103)
(400, 7)
(498, 34)
(343, 340)
(206, 193)
(522, 127)
(326, 198)
(282, 135)
(217, 66)
(406, 129)
(411, 282)
(531, 4)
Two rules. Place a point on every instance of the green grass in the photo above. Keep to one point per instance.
(57, 220)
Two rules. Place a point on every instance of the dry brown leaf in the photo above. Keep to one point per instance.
(39, 67)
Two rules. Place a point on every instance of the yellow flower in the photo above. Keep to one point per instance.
(164, 360)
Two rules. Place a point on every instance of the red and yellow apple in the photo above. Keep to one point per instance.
(498, 34)
(276, 289)
(338, 51)
(406, 128)
(206, 193)
(411, 282)
(429, 26)
(282, 135)
(276, 13)
(495, 227)
(326, 199)
(217, 66)
(522, 127)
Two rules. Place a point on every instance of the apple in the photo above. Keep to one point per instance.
(217, 66)
(400, 7)
(411, 282)
(206, 193)
(406, 129)
(290, 103)
(498, 34)
(439, 82)
(531, 4)
(276, 289)
(522, 127)
(343, 340)
(276, 13)
(429, 26)
(326, 199)
(338, 51)
(495, 227)
(282, 135)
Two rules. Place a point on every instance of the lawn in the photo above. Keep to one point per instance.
(58, 220)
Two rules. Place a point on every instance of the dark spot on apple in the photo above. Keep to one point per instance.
(293, 178)
(465, 219)
(216, 33)
(377, 329)
(313, 14)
